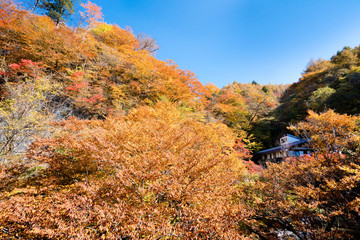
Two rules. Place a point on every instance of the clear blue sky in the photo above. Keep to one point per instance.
(222, 41)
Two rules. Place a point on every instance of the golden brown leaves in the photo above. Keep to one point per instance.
(312, 196)
(329, 132)
(153, 174)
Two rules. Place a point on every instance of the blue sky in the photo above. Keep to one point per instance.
(222, 41)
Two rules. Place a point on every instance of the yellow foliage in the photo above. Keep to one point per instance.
(155, 172)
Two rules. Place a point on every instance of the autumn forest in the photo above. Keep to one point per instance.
(99, 139)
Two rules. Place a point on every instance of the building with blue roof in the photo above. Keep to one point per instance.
(290, 146)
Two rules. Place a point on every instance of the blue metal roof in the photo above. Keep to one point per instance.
(278, 149)
(294, 136)
(270, 150)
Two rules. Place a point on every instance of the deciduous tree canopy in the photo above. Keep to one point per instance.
(99, 139)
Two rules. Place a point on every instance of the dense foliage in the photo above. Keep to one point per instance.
(152, 174)
(102, 68)
(312, 197)
(101, 140)
(325, 84)
(242, 106)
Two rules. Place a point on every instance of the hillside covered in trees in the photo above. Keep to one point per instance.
(99, 139)
(325, 84)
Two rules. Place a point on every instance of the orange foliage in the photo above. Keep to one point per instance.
(152, 174)
(110, 57)
(87, 98)
(328, 132)
(92, 14)
(311, 197)
(115, 37)
(37, 38)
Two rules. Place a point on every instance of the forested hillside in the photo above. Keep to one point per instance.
(99, 139)
(242, 106)
(325, 84)
(100, 69)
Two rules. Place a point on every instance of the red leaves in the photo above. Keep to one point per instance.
(240, 147)
(94, 99)
(25, 65)
(77, 86)
(17, 72)
(252, 167)
(26, 62)
(78, 74)
(15, 66)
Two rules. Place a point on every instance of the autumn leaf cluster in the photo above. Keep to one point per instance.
(101, 140)
(311, 197)
(152, 174)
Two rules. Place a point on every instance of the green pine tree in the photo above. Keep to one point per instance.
(58, 10)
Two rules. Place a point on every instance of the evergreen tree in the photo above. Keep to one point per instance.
(58, 10)
(264, 89)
